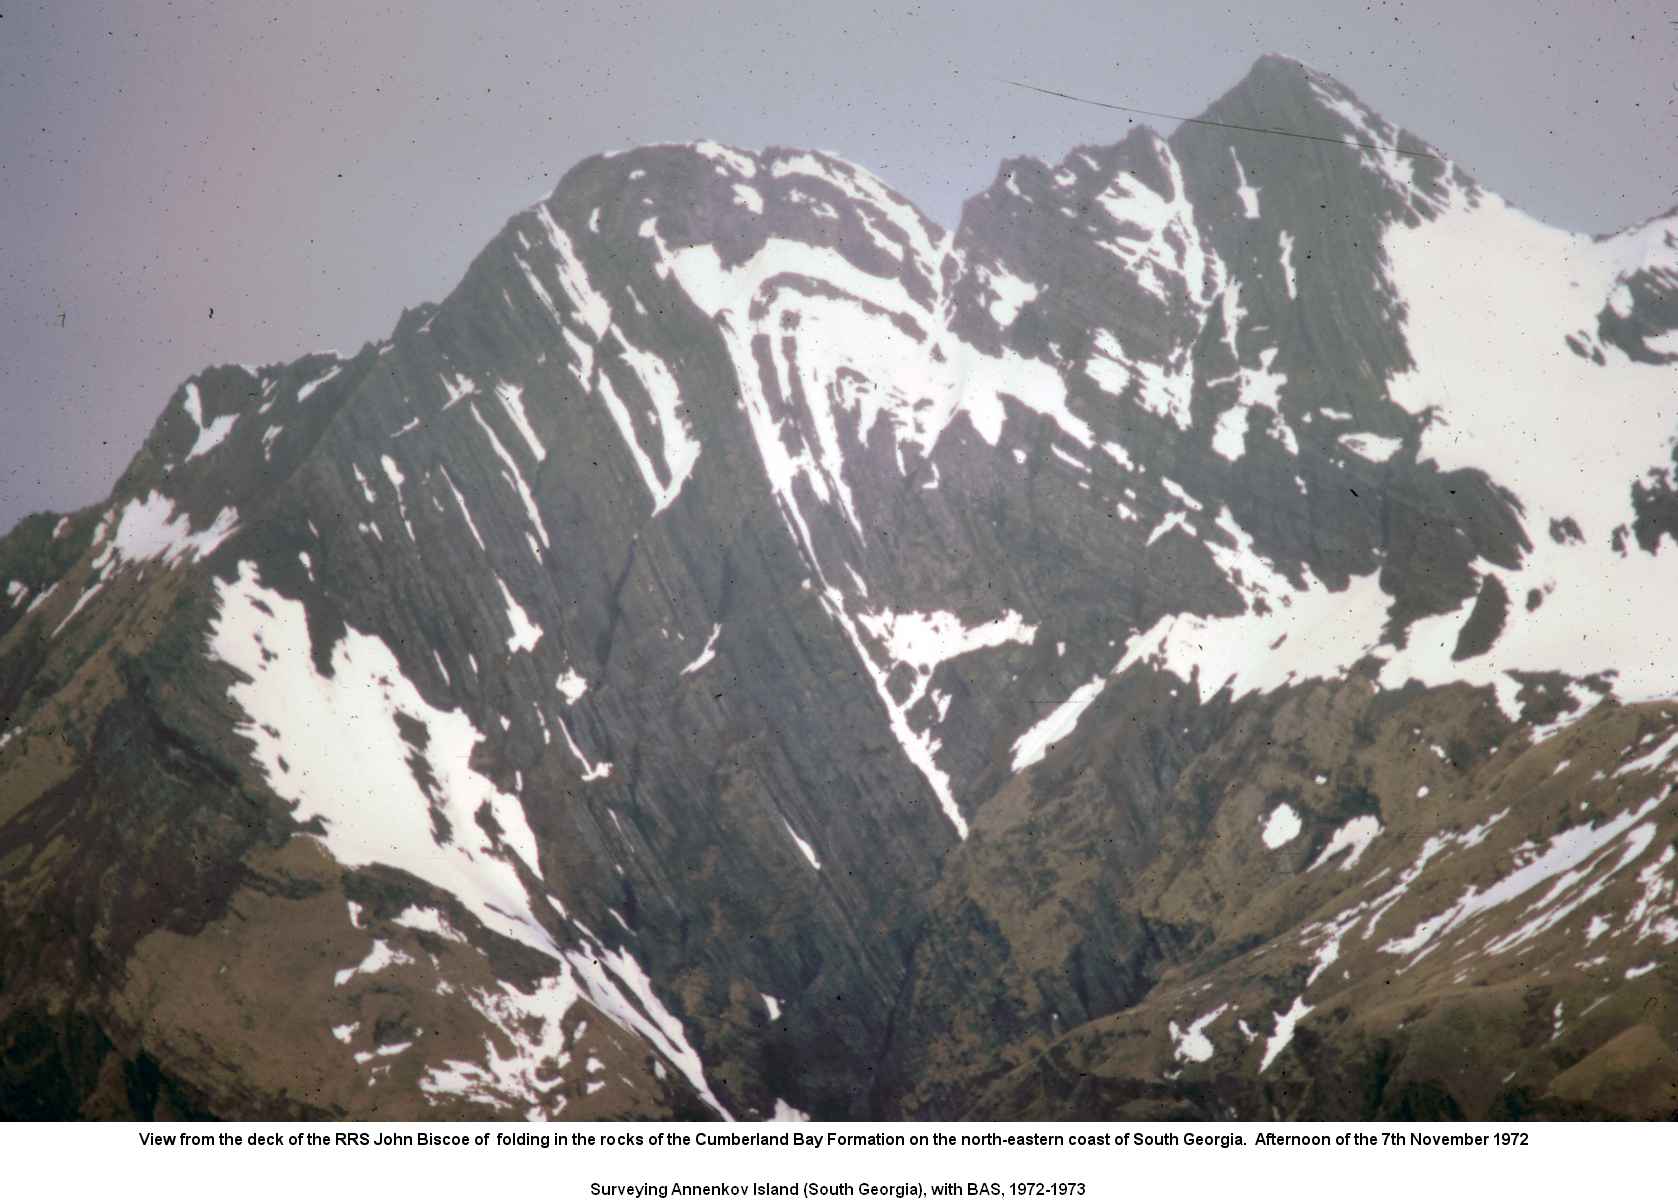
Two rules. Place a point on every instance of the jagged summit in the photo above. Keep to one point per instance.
(750, 651)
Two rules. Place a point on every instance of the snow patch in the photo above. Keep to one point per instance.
(736, 160)
(748, 197)
(1248, 195)
(526, 633)
(1287, 635)
(393, 473)
(1377, 448)
(1578, 420)
(678, 448)
(1351, 839)
(1285, 1023)
(149, 528)
(923, 641)
(1191, 1045)
(378, 959)
(513, 476)
(1281, 827)
(1009, 294)
(1652, 760)
(460, 502)
(804, 848)
(379, 798)
(1285, 244)
(512, 401)
(1566, 851)
(589, 305)
(1030, 748)
(706, 655)
(571, 686)
(591, 771)
(209, 436)
(308, 389)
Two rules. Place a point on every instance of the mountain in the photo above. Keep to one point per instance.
(1188, 642)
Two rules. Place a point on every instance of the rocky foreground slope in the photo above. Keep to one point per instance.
(1193, 641)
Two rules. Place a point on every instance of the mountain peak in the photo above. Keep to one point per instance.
(1274, 78)
(1283, 97)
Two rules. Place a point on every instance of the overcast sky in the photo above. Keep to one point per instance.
(309, 169)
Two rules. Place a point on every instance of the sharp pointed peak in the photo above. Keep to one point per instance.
(1276, 79)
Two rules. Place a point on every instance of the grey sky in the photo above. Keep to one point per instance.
(308, 170)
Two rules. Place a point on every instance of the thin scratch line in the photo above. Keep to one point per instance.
(1285, 133)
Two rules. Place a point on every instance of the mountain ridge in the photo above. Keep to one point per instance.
(673, 633)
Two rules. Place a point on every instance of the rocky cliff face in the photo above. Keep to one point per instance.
(1189, 642)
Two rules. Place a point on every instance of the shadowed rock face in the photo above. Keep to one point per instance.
(1188, 642)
